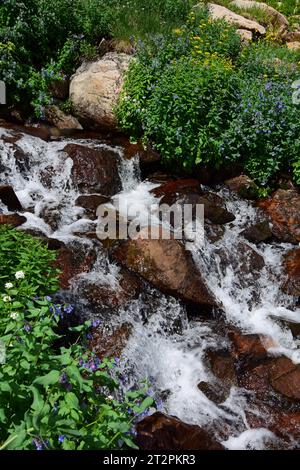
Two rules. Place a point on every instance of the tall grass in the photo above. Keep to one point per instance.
(140, 18)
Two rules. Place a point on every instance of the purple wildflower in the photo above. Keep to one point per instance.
(38, 444)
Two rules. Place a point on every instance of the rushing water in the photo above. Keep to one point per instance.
(165, 346)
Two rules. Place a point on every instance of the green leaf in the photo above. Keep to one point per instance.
(50, 379)
(72, 400)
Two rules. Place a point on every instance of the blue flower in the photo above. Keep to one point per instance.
(63, 378)
(38, 444)
(68, 309)
(61, 438)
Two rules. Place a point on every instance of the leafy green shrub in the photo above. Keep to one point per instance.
(269, 61)
(188, 110)
(180, 89)
(197, 95)
(264, 132)
(65, 399)
(21, 252)
(50, 397)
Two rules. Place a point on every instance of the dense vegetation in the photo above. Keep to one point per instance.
(45, 40)
(53, 397)
(201, 97)
(194, 91)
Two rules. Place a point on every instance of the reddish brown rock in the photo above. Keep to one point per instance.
(15, 220)
(217, 393)
(188, 191)
(280, 375)
(73, 261)
(292, 269)
(247, 347)
(283, 208)
(162, 432)
(166, 265)
(105, 295)
(285, 378)
(245, 261)
(284, 424)
(258, 233)
(94, 171)
(110, 342)
(9, 198)
(146, 154)
(223, 367)
(243, 186)
(173, 189)
(90, 202)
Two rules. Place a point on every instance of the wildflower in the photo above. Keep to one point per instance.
(61, 438)
(20, 275)
(268, 86)
(96, 323)
(6, 298)
(109, 397)
(9, 285)
(38, 444)
(27, 327)
(63, 378)
(14, 316)
(48, 298)
(69, 309)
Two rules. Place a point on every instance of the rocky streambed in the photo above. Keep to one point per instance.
(215, 329)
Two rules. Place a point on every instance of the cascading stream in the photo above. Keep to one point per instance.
(165, 347)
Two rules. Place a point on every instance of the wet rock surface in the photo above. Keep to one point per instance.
(109, 342)
(101, 294)
(257, 233)
(15, 220)
(181, 192)
(94, 170)
(166, 265)
(160, 432)
(292, 268)
(283, 209)
(9, 198)
(72, 261)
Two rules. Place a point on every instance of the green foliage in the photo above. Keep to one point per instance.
(21, 252)
(54, 398)
(269, 61)
(264, 132)
(188, 109)
(180, 90)
(141, 18)
(44, 40)
(202, 98)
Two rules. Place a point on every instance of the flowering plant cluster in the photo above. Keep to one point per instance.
(202, 98)
(68, 32)
(56, 397)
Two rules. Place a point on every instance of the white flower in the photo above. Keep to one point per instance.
(14, 315)
(6, 298)
(9, 285)
(20, 275)
(109, 397)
